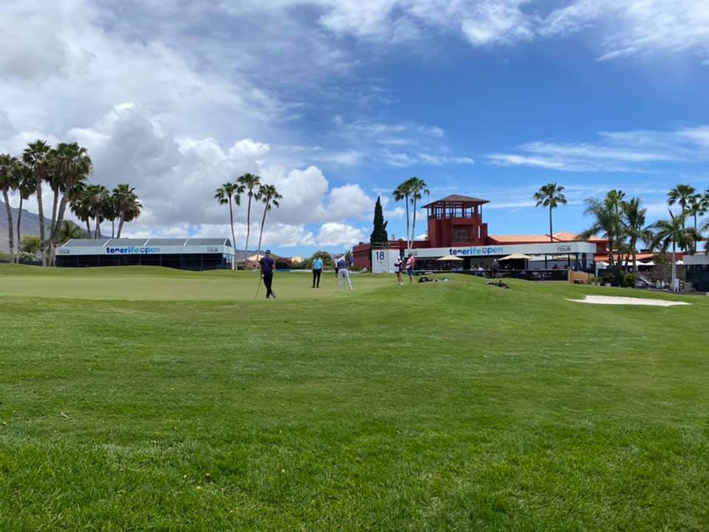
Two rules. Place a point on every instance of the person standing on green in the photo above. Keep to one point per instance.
(317, 272)
(267, 266)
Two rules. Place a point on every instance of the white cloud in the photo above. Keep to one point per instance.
(636, 27)
(622, 28)
(338, 234)
(176, 179)
(626, 151)
(498, 22)
(398, 144)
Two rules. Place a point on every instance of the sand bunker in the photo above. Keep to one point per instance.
(610, 300)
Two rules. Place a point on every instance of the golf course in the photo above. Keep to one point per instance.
(141, 398)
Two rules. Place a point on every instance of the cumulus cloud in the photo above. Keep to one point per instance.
(176, 179)
(335, 234)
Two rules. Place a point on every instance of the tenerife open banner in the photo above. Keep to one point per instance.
(144, 250)
(500, 251)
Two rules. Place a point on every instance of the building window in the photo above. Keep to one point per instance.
(460, 235)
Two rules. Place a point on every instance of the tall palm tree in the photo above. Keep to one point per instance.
(26, 187)
(674, 233)
(131, 212)
(682, 195)
(270, 198)
(37, 156)
(98, 196)
(607, 214)
(228, 194)
(110, 213)
(126, 205)
(698, 206)
(80, 204)
(9, 181)
(417, 187)
(635, 228)
(550, 196)
(70, 166)
(403, 193)
(251, 184)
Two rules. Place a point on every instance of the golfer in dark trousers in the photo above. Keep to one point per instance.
(267, 267)
(317, 272)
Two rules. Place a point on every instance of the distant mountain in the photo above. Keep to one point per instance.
(30, 225)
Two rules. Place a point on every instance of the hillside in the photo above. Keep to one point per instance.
(30, 225)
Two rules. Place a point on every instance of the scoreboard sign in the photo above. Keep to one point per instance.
(383, 260)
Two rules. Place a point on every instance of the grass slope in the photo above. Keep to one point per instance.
(447, 406)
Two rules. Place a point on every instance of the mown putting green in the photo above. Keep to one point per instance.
(151, 283)
(152, 399)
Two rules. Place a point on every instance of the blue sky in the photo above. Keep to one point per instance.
(337, 101)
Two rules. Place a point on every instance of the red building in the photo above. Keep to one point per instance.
(456, 226)
(456, 221)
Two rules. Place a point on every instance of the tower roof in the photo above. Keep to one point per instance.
(457, 198)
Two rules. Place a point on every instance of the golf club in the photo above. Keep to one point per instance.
(258, 287)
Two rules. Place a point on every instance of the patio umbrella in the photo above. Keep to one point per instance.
(449, 258)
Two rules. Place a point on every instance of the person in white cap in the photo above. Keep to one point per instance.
(343, 273)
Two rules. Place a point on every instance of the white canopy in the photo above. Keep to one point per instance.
(449, 257)
(517, 256)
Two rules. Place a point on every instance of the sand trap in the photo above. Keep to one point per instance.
(610, 300)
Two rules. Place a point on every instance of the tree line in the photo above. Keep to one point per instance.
(622, 221)
(230, 194)
(65, 170)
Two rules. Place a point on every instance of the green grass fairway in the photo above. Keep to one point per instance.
(150, 283)
(146, 399)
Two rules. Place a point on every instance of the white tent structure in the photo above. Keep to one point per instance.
(517, 256)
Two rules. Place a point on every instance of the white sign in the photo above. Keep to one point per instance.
(383, 260)
(501, 251)
(145, 250)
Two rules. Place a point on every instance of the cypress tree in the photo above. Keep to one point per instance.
(379, 234)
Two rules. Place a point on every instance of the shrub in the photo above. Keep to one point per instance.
(629, 280)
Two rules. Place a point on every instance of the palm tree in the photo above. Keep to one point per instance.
(110, 213)
(697, 207)
(634, 227)
(126, 205)
(26, 187)
(682, 195)
(417, 187)
(37, 156)
(402, 193)
(550, 196)
(228, 194)
(269, 197)
(80, 205)
(673, 233)
(69, 231)
(9, 181)
(97, 196)
(702, 230)
(132, 212)
(607, 214)
(70, 165)
(251, 184)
